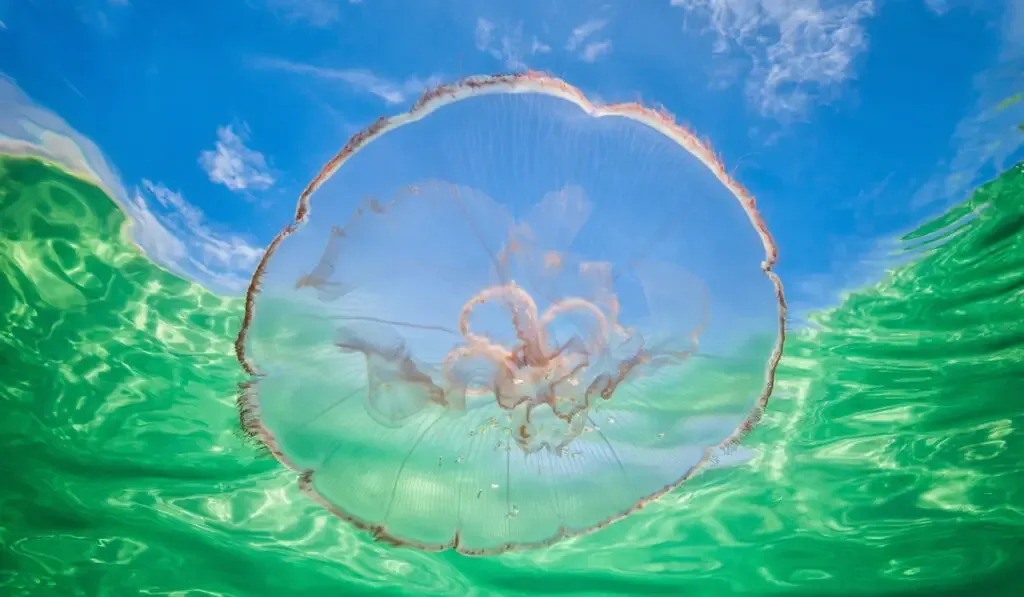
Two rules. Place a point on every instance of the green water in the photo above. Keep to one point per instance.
(890, 458)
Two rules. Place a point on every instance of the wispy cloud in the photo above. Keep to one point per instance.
(986, 143)
(219, 254)
(171, 231)
(938, 6)
(801, 51)
(987, 140)
(592, 52)
(484, 34)
(234, 165)
(106, 17)
(392, 92)
(582, 32)
(318, 13)
(589, 51)
(507, 45)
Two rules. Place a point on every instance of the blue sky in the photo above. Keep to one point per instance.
(849, 120)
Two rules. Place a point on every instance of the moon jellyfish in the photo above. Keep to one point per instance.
(510, 316)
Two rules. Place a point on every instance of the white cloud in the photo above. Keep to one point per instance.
(484, 34)
(594, 51)
(172, 232)
(801, 50)
(938, 6)
(318, 13)
(986, 143)
(206, 249)
(234, 165)
(589, 51)
(1013, 32)
(582, 32)
(392, 92)
(509, 47)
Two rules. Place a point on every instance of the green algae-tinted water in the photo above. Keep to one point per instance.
(891, 460)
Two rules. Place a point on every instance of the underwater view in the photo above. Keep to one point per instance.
(369, 297)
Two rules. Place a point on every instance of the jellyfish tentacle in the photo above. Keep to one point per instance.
(520, 303)
(477, 346)
(579, 304)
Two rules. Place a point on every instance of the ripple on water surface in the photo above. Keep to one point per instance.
(879, 466)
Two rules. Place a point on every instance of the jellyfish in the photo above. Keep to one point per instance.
(510, 316)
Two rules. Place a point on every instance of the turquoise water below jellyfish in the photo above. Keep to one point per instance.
(888, 463)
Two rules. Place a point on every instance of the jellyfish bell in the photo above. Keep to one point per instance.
(509, 316)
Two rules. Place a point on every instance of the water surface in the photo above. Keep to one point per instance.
(889, 462)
